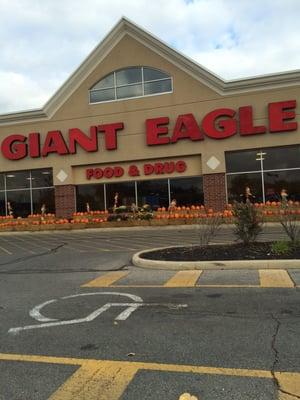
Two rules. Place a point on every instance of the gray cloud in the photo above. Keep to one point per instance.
(43, 42)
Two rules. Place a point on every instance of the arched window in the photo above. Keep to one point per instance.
(131, 82)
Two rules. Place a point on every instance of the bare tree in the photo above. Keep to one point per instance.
(290, 223)
(209, 229)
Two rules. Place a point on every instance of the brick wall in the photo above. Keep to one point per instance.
(214, 191)
(64, 201)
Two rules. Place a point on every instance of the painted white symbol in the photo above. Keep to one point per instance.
(62, 175)
(187, 396)
(213, 162)
(49, 322)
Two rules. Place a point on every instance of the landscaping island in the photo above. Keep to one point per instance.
(236, 251)
(248, 222)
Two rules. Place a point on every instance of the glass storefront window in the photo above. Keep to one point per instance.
(126, 192)
(281, 158)
(242, 161)
(41, 178)
(92, 194)
(24, 190)
(155, 193)
(187, 191)
(277, 165)
(272, 157)
(43, 196)
(2, 204)
(237, 183)
(17, 180)
(275, 181)
(20, 202)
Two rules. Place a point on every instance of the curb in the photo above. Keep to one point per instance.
(138, 261)
(124, 228)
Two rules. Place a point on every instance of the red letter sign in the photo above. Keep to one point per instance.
(154, 129)
(54, 143)
(278, 114)
(88, 143)
(110, 134)
(186, 128)
(227, 127)
(14, 148)
(246, 122)
(34, 145)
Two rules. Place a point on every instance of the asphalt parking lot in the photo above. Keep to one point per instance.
(78, 321)
(115, 240)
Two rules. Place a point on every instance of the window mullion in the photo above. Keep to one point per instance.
(143, 86)
(104, 194)
(115, 85)
(136, 193)
(5, 194)
(262, 177)
(30, 188)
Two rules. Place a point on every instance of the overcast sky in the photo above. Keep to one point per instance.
(44, 41)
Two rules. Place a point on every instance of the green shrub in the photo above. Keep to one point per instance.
(280, 248)
(248, 222)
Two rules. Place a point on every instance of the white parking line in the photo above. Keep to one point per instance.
(11, 243)
(59, 241)
(5, 251)
(81, 243)
(29, 242)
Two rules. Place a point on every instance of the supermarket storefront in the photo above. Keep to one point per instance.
(140, 120)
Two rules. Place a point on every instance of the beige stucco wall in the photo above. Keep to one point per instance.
(189, 96)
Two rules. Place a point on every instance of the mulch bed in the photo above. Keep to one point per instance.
(237, 251)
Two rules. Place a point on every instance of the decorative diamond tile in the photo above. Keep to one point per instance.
(62, 176)
(213, 162)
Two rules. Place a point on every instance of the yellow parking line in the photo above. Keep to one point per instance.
(104, 379)
(106, 279)
(41, 359)
(275, 278)
(95, 381)
(290, 383)
(249, 373)
(184, 279)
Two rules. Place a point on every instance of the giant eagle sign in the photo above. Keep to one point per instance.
(218, 124)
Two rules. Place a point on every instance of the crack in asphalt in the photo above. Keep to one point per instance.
(25, 258)
(276, 359)
(64, 270)
(60, 271)
(41, 271)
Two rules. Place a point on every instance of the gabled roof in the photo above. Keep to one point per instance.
(198, 72)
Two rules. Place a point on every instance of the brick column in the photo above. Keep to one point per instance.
(214, 191)
(64, 201)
